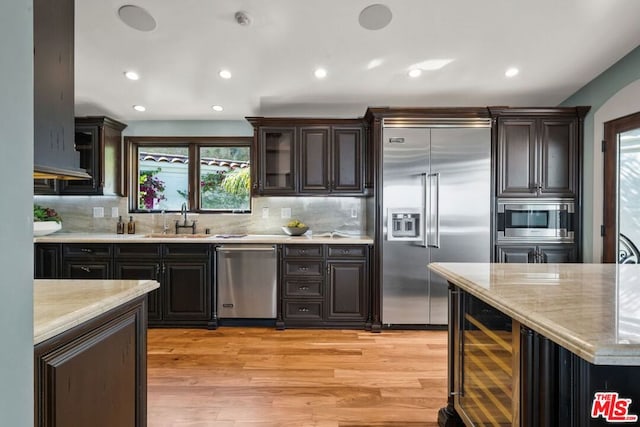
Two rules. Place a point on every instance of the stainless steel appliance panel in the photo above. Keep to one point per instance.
(405, 290)
(445, 174)
(246, 281)
(461, 158)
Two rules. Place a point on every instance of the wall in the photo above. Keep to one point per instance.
(322, 214)
(16, 229)
(614, 93)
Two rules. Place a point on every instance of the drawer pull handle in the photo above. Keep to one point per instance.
(87, 269)
(86, 250)
(303, 288)
(346, 252)
(303, 268)
(302, 251)
(303, 309)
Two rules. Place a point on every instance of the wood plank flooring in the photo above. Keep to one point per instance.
(260, 377)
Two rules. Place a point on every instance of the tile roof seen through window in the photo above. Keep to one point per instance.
(179, 158)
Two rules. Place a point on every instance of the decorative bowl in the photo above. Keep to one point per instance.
(295, 231)
(42, 228)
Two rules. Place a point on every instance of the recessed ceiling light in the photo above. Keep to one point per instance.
(432, 64)
(139, 108)
(131, 75)
(375, 17)
(320, 73)
(225, 74)
(137, 18)
(415, 72)
(511, 72)
(217, 108)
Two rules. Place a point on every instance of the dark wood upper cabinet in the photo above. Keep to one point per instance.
(276, 162)
(98, 140)
(347, 159)
(309, 156)
(314, 159)
(538, 151)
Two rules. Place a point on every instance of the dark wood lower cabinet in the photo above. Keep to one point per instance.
(544, 253)
(324, 286)
(187, 291)
(95, 374)
(47, 261)
(143, 270)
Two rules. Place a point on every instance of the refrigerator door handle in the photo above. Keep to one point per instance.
(434, 210)
(424, 213)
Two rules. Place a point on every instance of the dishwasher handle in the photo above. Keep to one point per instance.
(246, 249)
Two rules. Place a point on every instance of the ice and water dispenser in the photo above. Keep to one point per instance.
(404, 224)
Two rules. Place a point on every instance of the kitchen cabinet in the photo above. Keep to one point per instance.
(277, 161)
(142, 262)
(95, 373)
(184, 271)
(98, 140)
(47, 261)
(547, 253)
(324, 286)
(309, 156)
(538, 151)
(87, 261)
(53, 89)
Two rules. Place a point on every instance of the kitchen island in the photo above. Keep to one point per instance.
(90, 352)
(542, 344)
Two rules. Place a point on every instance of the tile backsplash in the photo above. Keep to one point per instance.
(321, 214)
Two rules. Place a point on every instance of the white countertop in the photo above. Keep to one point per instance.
(593, 310)
(251, 238)
(59, 305)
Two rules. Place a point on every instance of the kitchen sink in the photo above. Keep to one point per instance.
(178, 236)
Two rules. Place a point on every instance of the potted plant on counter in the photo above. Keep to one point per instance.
(45, 221)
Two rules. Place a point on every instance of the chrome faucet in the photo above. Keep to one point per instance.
(184, 224)
(184, 213)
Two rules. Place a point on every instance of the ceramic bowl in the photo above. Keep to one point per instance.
(295, 231)
(42, 228)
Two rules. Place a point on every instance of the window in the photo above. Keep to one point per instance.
(208, 174)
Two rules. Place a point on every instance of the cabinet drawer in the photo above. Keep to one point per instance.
(346, 251)
(303, 268)
(307, 310)
(73, 250)
(298, 288)
(138, 250)
(303, 251)
(187, 250)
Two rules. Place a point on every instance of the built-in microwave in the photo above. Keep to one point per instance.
(534, 220)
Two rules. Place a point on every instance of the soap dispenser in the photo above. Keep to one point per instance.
(131, 226)
(120, 226)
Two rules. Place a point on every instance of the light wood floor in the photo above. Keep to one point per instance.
(259, 377)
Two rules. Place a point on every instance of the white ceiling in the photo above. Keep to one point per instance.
(559, 45)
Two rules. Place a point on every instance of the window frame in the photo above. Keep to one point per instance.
(131, 164)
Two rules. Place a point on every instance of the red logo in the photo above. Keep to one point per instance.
(612, 408)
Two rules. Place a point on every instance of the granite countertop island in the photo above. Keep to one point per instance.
(593, 310)
(59, 305)
(542, 344)
(202, 238)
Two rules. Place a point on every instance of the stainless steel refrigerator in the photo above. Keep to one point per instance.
(436, 208)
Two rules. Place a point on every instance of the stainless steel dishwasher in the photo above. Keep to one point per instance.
(247, 281)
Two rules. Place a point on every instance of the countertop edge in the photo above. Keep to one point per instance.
(67, 321)
(605, 355)
(249, 239)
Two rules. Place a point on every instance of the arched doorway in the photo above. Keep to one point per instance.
(621, 148)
